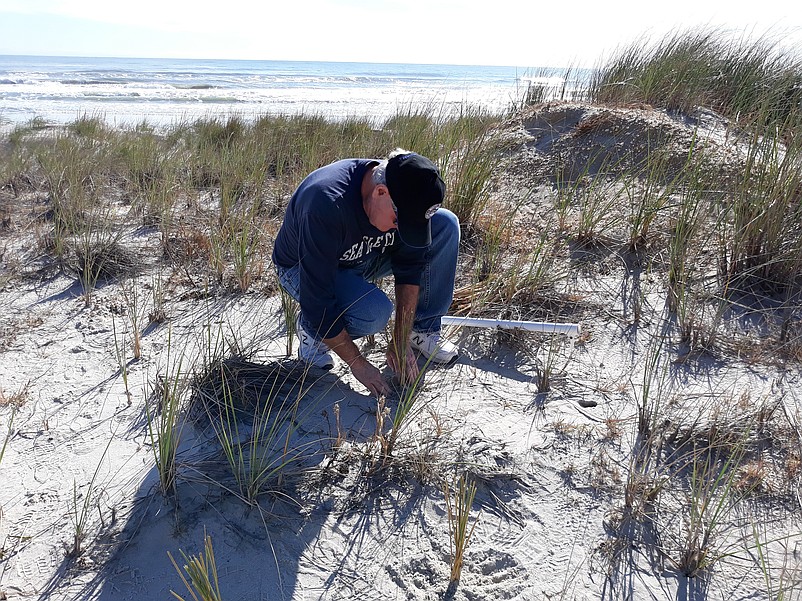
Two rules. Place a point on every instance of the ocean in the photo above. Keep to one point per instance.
(126, 91)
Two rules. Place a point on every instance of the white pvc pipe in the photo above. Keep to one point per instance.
(569, 329)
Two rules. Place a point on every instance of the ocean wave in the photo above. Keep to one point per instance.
(90, 82)
(195, 86)
(122, 87)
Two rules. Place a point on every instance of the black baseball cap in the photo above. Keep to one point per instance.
(417, 191)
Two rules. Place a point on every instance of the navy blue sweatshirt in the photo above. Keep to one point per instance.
(325, 229)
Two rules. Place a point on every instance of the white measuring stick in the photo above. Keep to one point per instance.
(569, 329)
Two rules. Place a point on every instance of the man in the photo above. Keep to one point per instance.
(350, 223)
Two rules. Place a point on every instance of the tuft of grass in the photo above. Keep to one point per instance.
(255, 412)
(164, 428)
(289, 313)
(9, 432)
(89, 126)
(199, 574)
(510, 288)
(458, 511)
(407, 405)
(81, 506)
(122, 361)
(464, 147)
(544, 370)
(758, 228)
(136, 308)
(711, 498)
(100, 257)
(752, 79)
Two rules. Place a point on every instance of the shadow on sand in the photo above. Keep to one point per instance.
(295, 540)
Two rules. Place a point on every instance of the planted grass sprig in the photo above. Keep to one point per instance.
(81, 507)
(707, 462)
(136, 309)
(289, 312)
(407, 401)
(544, 369)
(164, 427)
(458, 511)
(201, 578)
(9, 432)
(122, 361)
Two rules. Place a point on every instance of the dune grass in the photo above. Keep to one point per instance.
(458, 512)
(164, 420)
(199, 574)
(255, 411)
(753, 79)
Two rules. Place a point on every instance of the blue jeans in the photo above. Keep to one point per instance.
(366, 309)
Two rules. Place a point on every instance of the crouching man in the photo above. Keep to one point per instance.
(349, 224)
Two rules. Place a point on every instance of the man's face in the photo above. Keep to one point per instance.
(383, 212)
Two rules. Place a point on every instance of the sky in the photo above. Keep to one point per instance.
(527, 33)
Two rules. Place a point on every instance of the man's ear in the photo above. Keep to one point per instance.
(381, 190)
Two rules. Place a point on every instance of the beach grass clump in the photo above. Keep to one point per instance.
(458, 511)
(468, 170)
(86, 227)
(292, 146)
(18, 159)
(760, 225)
(165, 424)
(199, 574)
(136, 308)
(651, 189)
(751, 80)
(23, 131)
(82, 505)
(255, 411)
(509, 284)
(68, 166)
(149, 167)
(711, 500)
(100, 257)
(92, 127)
(256, 449)
(406, 408)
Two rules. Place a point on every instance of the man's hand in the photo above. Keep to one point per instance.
(369, 376)
(362, 369)
(406, 369)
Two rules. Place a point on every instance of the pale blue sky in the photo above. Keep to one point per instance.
(491, 32)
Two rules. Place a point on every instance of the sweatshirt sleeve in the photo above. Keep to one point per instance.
(321, 231)
(408, 264)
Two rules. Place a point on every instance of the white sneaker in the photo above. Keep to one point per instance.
(434, 347)
(311, 351)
